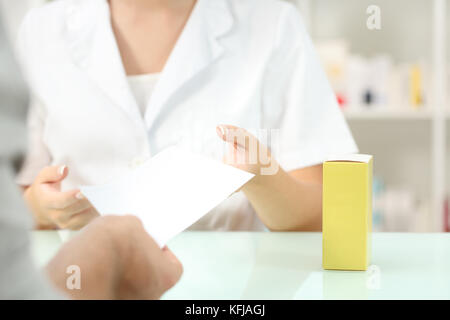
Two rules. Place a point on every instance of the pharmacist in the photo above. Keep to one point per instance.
(114, 82)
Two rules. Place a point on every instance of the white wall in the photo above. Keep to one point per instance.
(405, 29)
(13, 11)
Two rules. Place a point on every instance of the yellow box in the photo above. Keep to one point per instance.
(347, 212)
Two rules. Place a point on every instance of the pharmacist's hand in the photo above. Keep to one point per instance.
(245, 152)
(53, 208)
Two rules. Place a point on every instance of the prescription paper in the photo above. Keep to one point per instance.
(169, 192)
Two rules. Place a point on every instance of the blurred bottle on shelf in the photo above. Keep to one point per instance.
(377, 210)
(334, 54)
(397, 209)
(372, 83)
(415, 86)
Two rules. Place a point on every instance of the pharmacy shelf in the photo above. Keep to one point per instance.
(430, 126)
(388, 114)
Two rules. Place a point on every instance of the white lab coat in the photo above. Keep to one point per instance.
(249, 63)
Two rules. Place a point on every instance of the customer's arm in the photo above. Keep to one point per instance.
(19, 276)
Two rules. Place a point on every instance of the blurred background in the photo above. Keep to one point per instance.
(391, 80)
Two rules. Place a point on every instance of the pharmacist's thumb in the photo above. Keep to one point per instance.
(52, 174)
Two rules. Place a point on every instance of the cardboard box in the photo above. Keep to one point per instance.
(347, 212)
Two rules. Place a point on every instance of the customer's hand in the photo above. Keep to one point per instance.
(117, 259)
(148, 271)
(53, 208)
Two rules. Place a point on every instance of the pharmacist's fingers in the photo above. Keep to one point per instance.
(61, 200)
(236, 136)
(81, 219)
(78, 206)
(52, 174)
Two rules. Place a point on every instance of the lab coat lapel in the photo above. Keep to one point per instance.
(94, 48)
(197, 47)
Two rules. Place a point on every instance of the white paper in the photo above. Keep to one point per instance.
(169, 192)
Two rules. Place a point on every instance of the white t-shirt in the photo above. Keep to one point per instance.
(142, 87)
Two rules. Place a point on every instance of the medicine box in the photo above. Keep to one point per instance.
(347, 212)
